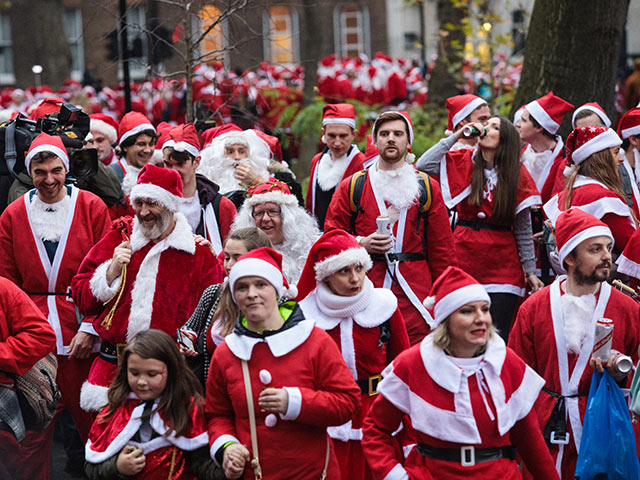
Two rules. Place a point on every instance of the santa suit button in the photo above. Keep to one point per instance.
(482, 215)
(265, 377)
(270, 420)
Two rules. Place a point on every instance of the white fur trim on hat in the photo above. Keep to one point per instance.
(450, 303)
(345, 258)
(542, 117)
(169, 143)
(343, 121)
(103, 127)
(232, 138)
(591, 232)
(275, 196)
(603, 116)
(154, 192)
(184, 146)
(254, 267)
(62, 154)
(467, 110)
(606, 139)
(136, 130)
(627, 132)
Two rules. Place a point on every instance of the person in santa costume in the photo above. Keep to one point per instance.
(338, 160)
(153, 426)
(364, 321)
(468, 397)
(141, 275)
(45, 234)
(593, 182)
(629, 131)
(103, 135)
(554, 331)
(421, 245)
(273, 209)
(493, 193)
(276, 383)
(209, 213)
(25, 337)
(543, 155)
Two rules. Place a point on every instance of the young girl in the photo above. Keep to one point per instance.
(153, 426)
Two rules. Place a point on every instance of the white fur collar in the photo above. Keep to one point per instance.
(49, 219)
(399, 187)
(330, 172)
(181, 238)
(130, 179)
(576, 314)
(279, 343)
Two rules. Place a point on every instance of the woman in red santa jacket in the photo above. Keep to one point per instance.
(593, 183)
(365, 323)
(293, 372)
(468, 397)
(493, 193)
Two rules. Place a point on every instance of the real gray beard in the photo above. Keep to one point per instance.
(158, 228)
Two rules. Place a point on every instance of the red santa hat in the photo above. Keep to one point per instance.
(160, 184)
(405, 117)
(585, 141)
(629, 123)
(573, 227)
(370, 150)
(263, 262)
(272, 191)
(211, 133)
(132, 124)
(342, 113)
(272, 142)
(451, 290)
(332, 251)
(549, 111)
(593, 107)
(46, 107)
(105, 125)
(460, 107)
(47, 143)
(184, 138)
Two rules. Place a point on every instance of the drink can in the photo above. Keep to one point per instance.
(622, 363)
(602, 339)
(383, 224)
(471, 131)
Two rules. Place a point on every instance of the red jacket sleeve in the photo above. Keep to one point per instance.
(521, 335)
(227, 216)
(339, 212)
(399, 340)
(441, 251)
(25, 334)
(8, 266)
(527, 438)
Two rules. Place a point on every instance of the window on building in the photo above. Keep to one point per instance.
(351, 24)
(280, 23)
(72, 22)
(212, 46)
(138, 41)
(6, 54)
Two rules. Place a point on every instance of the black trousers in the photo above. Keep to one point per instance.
(502, 307)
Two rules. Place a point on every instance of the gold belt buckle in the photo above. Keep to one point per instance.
(119, 348)
(373, 388)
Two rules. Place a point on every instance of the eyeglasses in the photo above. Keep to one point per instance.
(273, 213)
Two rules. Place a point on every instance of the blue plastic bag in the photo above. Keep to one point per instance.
(608, 446)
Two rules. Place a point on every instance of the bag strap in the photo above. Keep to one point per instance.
(356, 185)
(255, 463)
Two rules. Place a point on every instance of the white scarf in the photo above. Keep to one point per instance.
(49, 219)
(338, 306)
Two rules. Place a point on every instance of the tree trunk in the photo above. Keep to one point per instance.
(39, 39)
(572, 49)
(446, 77)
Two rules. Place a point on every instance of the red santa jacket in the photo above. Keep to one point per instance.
(108, 437)
(25, 335)
(537, 337)
(26, 263)
(304, 360)
(554, 163)
(490, 256)
(356, 162)
(419, 275)
(596, 199)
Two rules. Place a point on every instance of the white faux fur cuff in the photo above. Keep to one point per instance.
(397, 473)
(87, 327)
(99, 285)
(93, 397)
(295, 403)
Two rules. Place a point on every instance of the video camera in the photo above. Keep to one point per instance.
(71, 124)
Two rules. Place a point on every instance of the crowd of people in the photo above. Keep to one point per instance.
(402, 318)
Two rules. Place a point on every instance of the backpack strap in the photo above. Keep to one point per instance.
(426, 198)
(216, 206)
(356, 185)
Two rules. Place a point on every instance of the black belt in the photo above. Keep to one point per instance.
(369, 386)
(479, 225)
(397, 257)
(111, 353)
(555, 431)
(466, 456)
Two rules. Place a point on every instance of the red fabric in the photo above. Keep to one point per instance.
(532, 338)
(29, 459)
(440, 246)
(72, 373)
(290, 449)
(165, 178)
(555, 181)
(227, 214)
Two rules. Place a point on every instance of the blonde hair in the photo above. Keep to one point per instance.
(442, 339)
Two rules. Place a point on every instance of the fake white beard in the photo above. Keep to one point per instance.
(330, 171)
(222, 173)
(399, 187)
(536, 162)
(49, 219)
(130, 179)
(577, 313)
